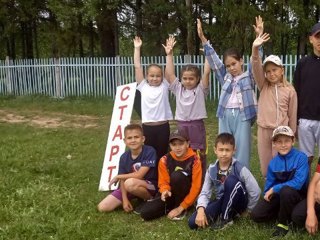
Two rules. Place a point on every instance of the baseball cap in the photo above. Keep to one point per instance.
(315, 29)
(282, 130)
(273, 59)
(178, 134)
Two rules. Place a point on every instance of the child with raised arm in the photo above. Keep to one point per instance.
(277, 102)
(155, 106)
(190, 95)
(234, 188)
(286, 183)
(137, 174)
(179, 181)
(237, 106)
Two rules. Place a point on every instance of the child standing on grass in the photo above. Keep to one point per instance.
(307, 85)
(234, 188)
(277, 101)
(237, 106)
(190, 95)
(179, 181)
(155, 106)
(137, 172)
(286, 183)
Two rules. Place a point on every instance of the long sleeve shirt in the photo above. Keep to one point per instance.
(244, 86)
(196, 175)
(277, 104)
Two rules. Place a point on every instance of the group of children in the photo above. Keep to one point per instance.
(172, 185)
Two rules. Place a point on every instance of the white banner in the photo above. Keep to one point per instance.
(121, 116)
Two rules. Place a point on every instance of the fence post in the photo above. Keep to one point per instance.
(117, 74)
(8, 78)
(58, 93)
(187, 59)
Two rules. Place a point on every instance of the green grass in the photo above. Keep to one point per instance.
(46, 195)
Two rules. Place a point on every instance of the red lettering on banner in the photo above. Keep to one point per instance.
(121, 110)
(114, 150)
(118, 133)
(122, 98)
(110, 169)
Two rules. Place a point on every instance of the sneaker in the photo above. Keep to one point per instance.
(137, 209)
(281, 231)
(180, 216)
(221, 224)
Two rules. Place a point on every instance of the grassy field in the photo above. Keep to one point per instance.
(51, 155)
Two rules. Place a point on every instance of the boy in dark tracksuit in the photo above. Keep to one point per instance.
(234, 188)
(286, 184)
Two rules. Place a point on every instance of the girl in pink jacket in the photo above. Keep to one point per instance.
(277, 103)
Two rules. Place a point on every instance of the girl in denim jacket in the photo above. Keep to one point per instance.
(237, 107)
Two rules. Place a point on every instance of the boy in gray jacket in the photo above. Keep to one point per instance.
(234, 187)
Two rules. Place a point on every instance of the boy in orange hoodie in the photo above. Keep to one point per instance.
(179, 181)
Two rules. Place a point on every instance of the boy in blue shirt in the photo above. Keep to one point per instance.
(235, 188)
(286, 183)
(137, 174)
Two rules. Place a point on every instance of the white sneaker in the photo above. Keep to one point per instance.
(180, 216)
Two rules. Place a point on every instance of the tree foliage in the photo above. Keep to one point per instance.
(87, 28)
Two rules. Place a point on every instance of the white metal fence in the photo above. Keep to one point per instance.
(95, 77)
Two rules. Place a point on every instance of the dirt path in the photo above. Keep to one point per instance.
(48, 120)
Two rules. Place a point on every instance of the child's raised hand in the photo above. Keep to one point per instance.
(137, 42)
(200, 31)
(261, 39)
(258, 28)
(170, 42)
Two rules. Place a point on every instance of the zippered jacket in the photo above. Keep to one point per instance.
(290, 170)
(213, 188)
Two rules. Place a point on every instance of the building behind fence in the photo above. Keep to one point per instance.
(96, 77)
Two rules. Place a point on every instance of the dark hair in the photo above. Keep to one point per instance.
(191, 68)
(153, 65)
(225, 138)
(232, 52)
(133, 126)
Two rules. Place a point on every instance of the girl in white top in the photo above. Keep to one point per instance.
(190, 95)
(155, 106)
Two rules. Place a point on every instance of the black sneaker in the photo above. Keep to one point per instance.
(221, 224)
(137, 209)
(181, 216)
(281, 231)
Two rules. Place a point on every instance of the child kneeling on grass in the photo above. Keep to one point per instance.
(286, 183)
(235, 188)
(179, 181)
(137, 172)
